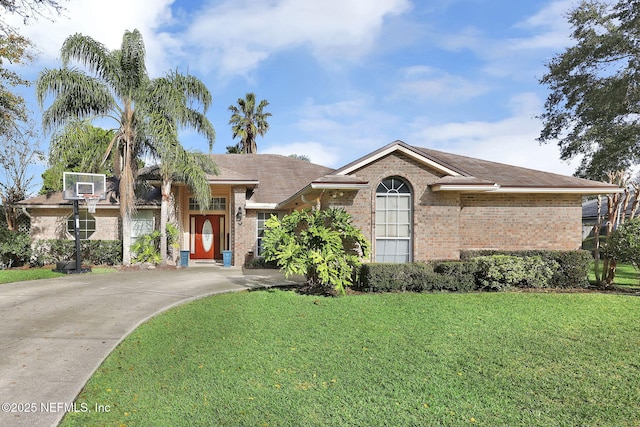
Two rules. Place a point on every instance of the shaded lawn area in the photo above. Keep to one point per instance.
(276, 358)
(626, 275)
(21, 275)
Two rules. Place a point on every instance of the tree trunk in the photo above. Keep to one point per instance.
(164, 217)
(126, 238)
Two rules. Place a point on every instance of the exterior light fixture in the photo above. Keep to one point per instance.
(239, 215)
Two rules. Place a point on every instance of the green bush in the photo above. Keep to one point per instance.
(15, 248)
(147, 248)
(323, 245)
(378, 277)
(417, 277)
(96, 252)
(102, 252)
(503, 272)
(571, 268)
(462, 274)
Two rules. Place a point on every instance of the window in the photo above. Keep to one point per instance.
(262, 218)
(393, 221)
(143, 222)
(87, 225)
(217, 204)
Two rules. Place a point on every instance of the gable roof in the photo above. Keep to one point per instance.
(276, 177)
(462, 173)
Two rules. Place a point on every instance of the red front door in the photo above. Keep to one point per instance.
(206, 239)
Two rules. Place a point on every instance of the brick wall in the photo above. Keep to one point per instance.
(435, 216)
(52, 224)
(446, 222)
(521, 221)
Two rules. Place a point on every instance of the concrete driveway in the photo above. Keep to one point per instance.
(55, 333)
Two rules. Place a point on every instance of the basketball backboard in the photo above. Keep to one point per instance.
(79, 186)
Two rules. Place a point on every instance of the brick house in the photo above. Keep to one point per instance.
(411, 203)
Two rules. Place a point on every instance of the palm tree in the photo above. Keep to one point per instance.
(147, 111)
(78, 147)
(248, 121)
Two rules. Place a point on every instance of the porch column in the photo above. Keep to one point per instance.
(238, 229)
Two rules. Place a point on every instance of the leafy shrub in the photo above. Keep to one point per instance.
(379, 277)
(417, 277)
(624, 243)
(147, 248)
(321, 244)
(15, 248)
(102, 252)
(462, 274)
(571, 268)
(97, 252)
(503, 272)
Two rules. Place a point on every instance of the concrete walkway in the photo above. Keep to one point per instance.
(55, 333)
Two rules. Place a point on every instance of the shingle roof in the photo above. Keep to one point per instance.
(279, 176)
(506, 175)
(150, 197)
(456, 170)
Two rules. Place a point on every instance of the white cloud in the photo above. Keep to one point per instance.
(511, 140)
(240, 34)
(106, 22)
(422, 83)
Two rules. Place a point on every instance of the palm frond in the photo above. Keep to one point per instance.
(132, 60)
(87, 51)
(77, 96)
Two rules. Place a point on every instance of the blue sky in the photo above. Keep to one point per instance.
(345, 77)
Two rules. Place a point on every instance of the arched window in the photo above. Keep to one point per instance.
(393, 221)
(87, 225)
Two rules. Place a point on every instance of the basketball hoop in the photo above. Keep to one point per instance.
(91, 201)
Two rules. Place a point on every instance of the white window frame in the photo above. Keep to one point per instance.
(85, 220)
(394, 221)
(217, 204)
(261, 218)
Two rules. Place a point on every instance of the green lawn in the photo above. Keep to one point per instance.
(626, 275)
(20, 275)
(276, 358)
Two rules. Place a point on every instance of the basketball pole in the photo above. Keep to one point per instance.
(76, 218)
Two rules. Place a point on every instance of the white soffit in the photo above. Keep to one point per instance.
(370, 159)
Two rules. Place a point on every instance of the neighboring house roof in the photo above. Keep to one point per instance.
(590, 209)
(461, 173)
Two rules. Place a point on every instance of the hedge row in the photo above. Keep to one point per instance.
(494, 271)
(96, 252)
(572, 270)
(415, 277)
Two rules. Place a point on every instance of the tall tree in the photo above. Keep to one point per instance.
(248, 120)
(16, 49)
(175, 163)
(27, 10)
(146, 111)
(78, 147)
(17, 152)
(593, 109)
(13, 110)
